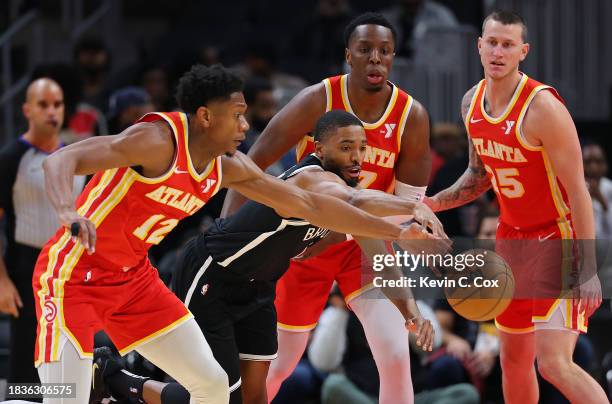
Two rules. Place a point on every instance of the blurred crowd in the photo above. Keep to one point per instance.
(338, 366)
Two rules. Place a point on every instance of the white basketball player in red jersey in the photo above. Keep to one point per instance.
(397, 160)
(155, 173)
(524, 144)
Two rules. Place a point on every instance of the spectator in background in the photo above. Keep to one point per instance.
(93, 61)
(261, 60)
(126, 106)
(262, 106)
(30, 218)
(449, 145)
(317, 47)
(156, 83)
(600, 188)
(339, 341)
(411, 20)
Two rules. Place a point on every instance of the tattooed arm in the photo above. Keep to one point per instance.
(472, 183)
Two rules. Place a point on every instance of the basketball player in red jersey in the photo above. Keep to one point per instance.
(524, 144)
(397, 129)
(149, 177)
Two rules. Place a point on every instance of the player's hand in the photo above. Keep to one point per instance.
(420, 241)
(85, 232)
(425, 216)
(10, 301)
(458, 348)
(423, 329)
(589, 294)
(481, 363)
(432, 203)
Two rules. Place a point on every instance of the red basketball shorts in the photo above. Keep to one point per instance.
(301, 294)
(543, 267)
(77, 295)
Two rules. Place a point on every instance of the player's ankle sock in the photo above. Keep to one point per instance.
(174, 393)
(125, 385)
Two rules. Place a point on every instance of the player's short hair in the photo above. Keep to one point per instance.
(332, 120)
(368, 18)
(507, 18)
(203, 84)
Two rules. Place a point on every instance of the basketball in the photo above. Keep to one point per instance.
(482, 291)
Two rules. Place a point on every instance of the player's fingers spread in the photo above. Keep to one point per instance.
(12, 310)
(18, 300)
(427, 336)
(92, 236)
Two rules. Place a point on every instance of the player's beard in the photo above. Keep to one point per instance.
(336, 169)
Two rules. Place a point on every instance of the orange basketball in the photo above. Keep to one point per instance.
(483, 290)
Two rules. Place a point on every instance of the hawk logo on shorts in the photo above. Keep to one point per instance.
(204, 289)
(50, 311)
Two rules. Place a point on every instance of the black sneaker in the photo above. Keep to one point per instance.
(104, 364)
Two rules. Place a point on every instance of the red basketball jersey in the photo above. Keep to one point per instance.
(522, 176)
(384, 136)
(132, 212)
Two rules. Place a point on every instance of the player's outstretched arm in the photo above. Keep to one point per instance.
(549, 123)
(375, 202)
(283, 132)
(402, 298)
(414, 162)
(288, 200)
(145, 144)
(472, 183)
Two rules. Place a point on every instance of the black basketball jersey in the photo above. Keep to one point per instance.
(257, 243)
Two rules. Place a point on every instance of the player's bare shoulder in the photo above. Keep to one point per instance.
(546, 117)
(312, 99)
(147, 144)
(314, 179)
(466, 101)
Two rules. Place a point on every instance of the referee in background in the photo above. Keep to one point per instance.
(29, 217)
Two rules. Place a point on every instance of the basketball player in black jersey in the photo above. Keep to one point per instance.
(227, 276)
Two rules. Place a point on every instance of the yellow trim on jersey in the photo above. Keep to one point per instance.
(403, 120)
(511, 330)
(72, 258)
(519, 124)
(141, 178)
(116, 195)
(70, 262)
(301, 147)
(328, 95)
(53, 254)
(347, 104)
(192, 171)
(470, 111)
(562, 209)
(509, 107)
(97, 190)
(156, 334)
(295, 328)
(549, 313)
(219, 175)
(97, 217)
(358, 292)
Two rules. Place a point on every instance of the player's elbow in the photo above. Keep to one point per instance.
(51, 161)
